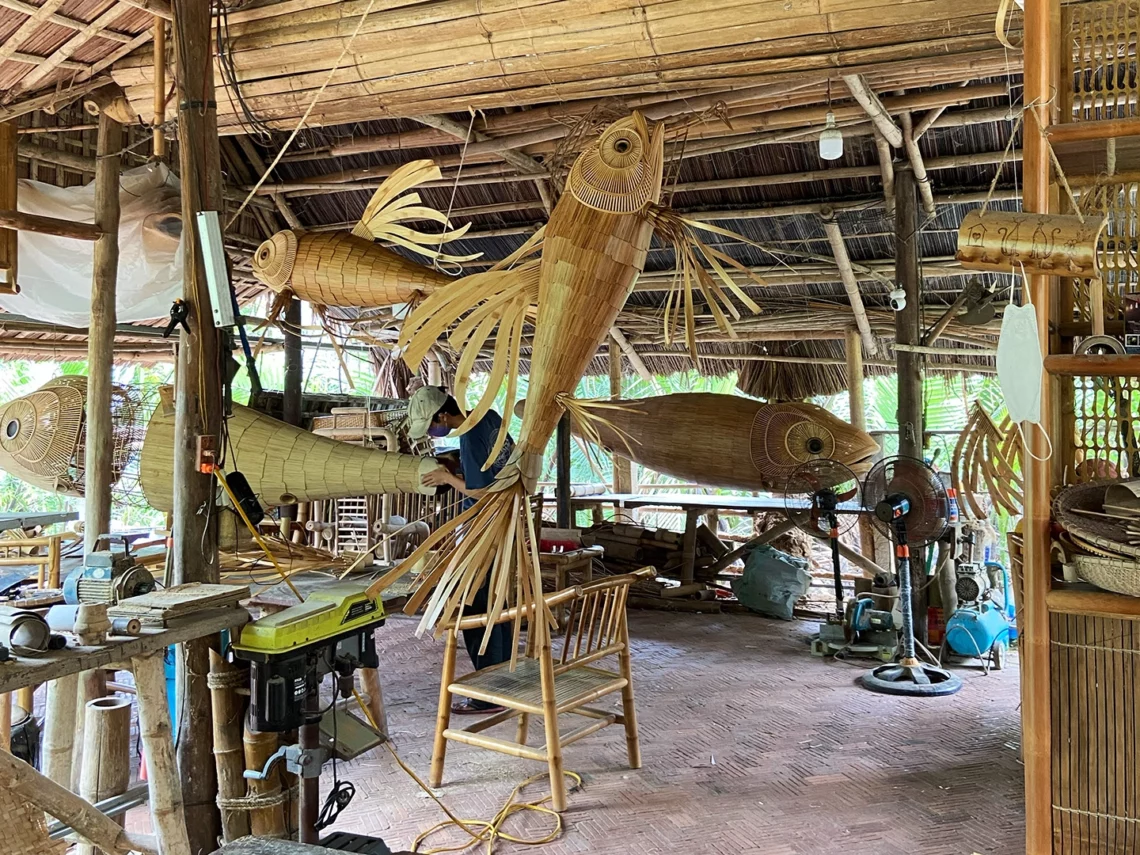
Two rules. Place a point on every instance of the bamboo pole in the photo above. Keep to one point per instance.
(887, 171)
(107, 758)
(908, 364)
(1042, 25)
(19, 221)
(917, 164)
(623, 472)
(857, 408)
(159, 134)
(9, 141)
(228, 710)
(59, 728)
(168, 816)
(198, 410)
(6, 721)
(370, 680)
(632, 355)
(101, 337)
(69, 808)
(870, 102)
(92, 685)
(268, 821)
(850, 285)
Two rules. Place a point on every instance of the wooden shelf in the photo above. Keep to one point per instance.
(1096, 603)
(1093, 364)
(1104, 130)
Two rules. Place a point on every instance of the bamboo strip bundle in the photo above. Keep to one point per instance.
(284, 464)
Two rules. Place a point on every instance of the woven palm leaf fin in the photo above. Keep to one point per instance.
(385, 211)
(586, 414)
(494, 539)
(690, 249)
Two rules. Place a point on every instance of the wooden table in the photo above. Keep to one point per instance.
(24, 519)
(694, 505)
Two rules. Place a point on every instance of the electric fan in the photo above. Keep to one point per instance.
(909, 506)
(812, 498)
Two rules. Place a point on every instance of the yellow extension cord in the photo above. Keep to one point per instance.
(479, 830)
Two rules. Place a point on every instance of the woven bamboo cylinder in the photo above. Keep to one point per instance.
(284, 464)
(341, 269)
(106, 752)
(269, 820)
(727, 441)
(229, 755)
(1045, 244)
(59, 728)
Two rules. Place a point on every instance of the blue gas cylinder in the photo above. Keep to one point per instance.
(973, 630)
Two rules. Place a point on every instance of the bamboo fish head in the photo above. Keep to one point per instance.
(275, 259)
(621, 172)
(41, 436)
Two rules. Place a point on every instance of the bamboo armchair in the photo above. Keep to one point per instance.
(547, 685)
(19, 551)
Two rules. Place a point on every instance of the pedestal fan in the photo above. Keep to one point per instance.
(812, 498)
(909, 506)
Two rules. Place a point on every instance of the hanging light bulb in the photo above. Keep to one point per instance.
(831, 140)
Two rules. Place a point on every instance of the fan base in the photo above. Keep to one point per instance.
(911, 677)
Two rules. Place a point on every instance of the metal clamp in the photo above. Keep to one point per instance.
(305, 762)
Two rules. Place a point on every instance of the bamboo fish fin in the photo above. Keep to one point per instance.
(387, 209)
(716, 286)
(587, 413)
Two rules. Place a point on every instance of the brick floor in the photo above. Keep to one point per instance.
(749, 745)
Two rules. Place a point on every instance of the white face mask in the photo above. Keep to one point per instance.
(1020, 367)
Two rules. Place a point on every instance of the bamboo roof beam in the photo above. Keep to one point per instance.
(917, 165)
(632, 355)
(926, 122)
(819, 360)
(874, 108)
(850, 284)
(69, 47)
(32, 59)
(53, 17)
(36, 16)
(159, 8)
(283, 207)
(887, 171)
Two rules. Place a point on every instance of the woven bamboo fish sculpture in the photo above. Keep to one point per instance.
(589, 256)
(726, 440)
(350, 269)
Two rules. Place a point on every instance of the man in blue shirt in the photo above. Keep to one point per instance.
(433, 412)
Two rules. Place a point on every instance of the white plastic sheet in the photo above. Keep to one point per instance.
(54, 273)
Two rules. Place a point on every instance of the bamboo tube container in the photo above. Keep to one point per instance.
(92, 685)
(167, 814)
(106, 751)
(59, 728)
(284, 464)
(228, 711)
(266, 821)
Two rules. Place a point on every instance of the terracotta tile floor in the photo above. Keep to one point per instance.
(750, 745)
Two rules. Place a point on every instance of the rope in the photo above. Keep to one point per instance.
(227, 679)
(267, 800)
(479, 830)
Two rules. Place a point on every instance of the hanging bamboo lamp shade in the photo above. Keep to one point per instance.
(284, 464)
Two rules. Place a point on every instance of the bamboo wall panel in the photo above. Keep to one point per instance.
(1103, 56)
(1095, 685)
(1106, 428)
(1117, 247)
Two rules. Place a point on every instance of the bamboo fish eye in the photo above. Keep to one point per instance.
(621, 147)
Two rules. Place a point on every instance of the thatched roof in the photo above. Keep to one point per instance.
(753, 94)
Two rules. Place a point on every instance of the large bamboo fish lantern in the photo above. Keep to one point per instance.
(570, 280)
(284, 464)
(1046, 244)
(43, 435)
(725, 440)
(351, 269)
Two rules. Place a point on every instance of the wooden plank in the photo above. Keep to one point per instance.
(18, 220)
(28, 671)
(1104, 130)
(1089, 602)
(1092, 364)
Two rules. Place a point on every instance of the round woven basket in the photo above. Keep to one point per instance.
(1100, 532)
(1113, 574)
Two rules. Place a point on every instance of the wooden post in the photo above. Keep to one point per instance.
(229, 754)
(689, 547)
(291, 405)
(1042, 27)
(623, 472)
(107, 758)
(59, 728)
(9, 140)
(159, 141)
(857, 407)
(166, 811)
(198, 408)
(565, 516)
(909, 364)
(92, 685)
(101, 338)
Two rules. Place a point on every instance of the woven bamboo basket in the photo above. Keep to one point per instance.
(357, 418)
(25, 831)
(1112, 574)
(1104, 535)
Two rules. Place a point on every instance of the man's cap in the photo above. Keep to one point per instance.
(422, 407)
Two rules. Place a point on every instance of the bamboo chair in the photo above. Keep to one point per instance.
(19, 551)
(547, 685)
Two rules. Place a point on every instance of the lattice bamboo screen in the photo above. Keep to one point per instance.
(1106, 423)
(1102, 60)
(1095, 668)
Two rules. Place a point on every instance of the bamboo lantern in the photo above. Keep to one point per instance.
(350, 269)
(229, 753)
(724, 440)
(284, 464)
(1042, 244)
(106, 753)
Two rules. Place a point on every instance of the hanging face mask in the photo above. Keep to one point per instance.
(1020, 367)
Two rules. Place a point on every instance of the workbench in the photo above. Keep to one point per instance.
(31, 519)
(693, 506)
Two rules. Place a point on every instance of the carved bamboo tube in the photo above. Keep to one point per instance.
(106, 753)
(229, 756)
